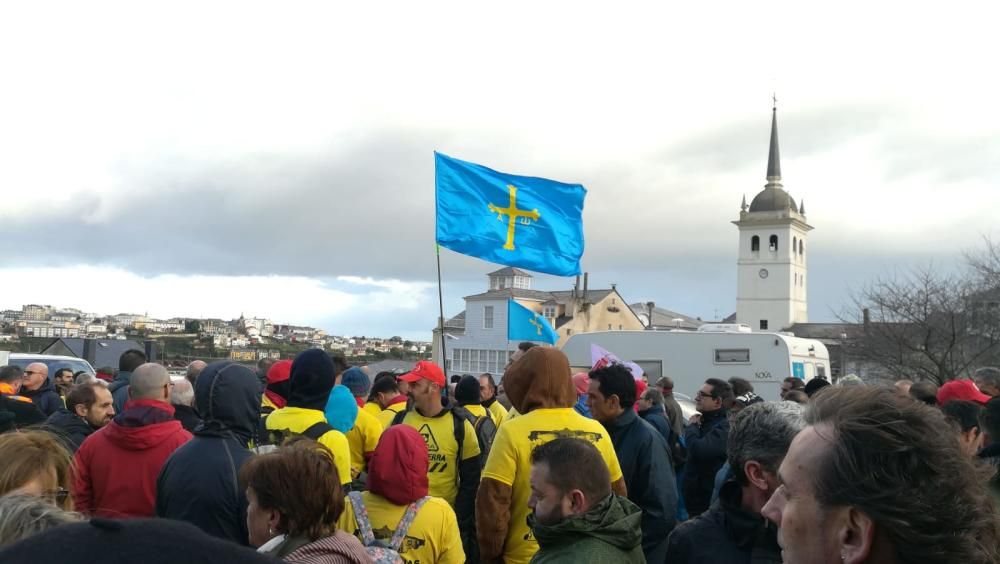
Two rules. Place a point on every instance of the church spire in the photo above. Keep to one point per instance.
(773, 158)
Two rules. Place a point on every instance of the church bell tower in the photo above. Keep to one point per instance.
(771, 265)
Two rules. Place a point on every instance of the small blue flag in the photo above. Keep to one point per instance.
(521, 221)
(526, 325)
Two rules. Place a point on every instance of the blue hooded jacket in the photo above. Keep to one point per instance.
(341, 409)
(199, 482)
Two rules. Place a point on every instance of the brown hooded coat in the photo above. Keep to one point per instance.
(541, 378)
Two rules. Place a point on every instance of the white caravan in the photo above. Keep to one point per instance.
(714, 351)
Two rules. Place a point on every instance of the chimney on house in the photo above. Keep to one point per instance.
(150, 346)
(90, 351)
(586, 275)
(576, 287)
(866, 317)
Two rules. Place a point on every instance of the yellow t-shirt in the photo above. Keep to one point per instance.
(363, 438)
(373, 408)
(478, 411)
(298, 419)
(510, 463)
(498, 412)
(385, 418)
(442, 451)
(432, 537)
(510, 415)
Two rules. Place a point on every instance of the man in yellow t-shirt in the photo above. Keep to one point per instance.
(385, 394)
(397, 477)
(451, 475)
(539, 387)
(488, 397)
(312, 377)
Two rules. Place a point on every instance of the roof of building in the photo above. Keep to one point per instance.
(665, 317)
(107, 351)
(508, 293)
(510, 271)
(592, 296)
(773, 197)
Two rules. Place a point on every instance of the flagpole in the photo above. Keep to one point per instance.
(444, 354)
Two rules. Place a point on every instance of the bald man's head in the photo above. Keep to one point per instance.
(193, 370)
(150, 381)
(35, 375)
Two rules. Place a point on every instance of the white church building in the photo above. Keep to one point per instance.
(771, 268)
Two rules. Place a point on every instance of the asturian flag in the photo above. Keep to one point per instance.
(526, 325)
(522, 221)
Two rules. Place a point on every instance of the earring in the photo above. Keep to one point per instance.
(270, 531)
(843, 556)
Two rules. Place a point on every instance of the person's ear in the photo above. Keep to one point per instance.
(80, 410)
(755, 475)
(578, 502)
(274, 521)
(856, 535)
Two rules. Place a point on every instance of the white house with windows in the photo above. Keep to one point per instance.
(476, 339)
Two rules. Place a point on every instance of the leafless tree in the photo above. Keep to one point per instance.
(928, 325)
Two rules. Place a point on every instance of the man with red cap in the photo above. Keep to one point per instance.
(965, 390)
(453, 448)
(397, 481)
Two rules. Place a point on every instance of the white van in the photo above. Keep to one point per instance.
(691, 357)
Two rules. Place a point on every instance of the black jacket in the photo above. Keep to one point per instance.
(706, 449)
(119, 389)
(188, 416)
(656, 417)
(199, 482)
(649, 478)
(72, 428)
(19, 414)
(725, 533)
(46, 398)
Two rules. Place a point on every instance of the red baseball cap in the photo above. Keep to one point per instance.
(961, 390)
(425, 370)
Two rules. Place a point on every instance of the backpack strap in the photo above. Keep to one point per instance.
(404, 524)
(458, 418)
(361, 516)
(398, 418)
(317, 430)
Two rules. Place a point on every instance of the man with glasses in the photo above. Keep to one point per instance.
(705, 439)
(19, 410)
(39, 389)
(117, 466)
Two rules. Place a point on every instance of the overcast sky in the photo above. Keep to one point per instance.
(276, 159)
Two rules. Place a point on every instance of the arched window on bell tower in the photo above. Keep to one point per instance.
(755, 244)
(773, 246)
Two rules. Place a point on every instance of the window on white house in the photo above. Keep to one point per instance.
(487, 317)
(549, 312)
(763, 325)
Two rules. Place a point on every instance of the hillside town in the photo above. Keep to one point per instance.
(244, 338)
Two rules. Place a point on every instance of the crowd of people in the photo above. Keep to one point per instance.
(314, 461)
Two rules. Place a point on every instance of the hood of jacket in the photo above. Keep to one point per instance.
(66, 421)
(227, 397)
(312, 378)
(341, 409)
(616, 521)
(143, 425)
(397, 470)
(540, 379)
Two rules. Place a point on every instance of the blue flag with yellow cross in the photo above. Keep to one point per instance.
(524, 324)
(523, 221)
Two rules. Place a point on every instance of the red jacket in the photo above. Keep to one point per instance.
(117, 466)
